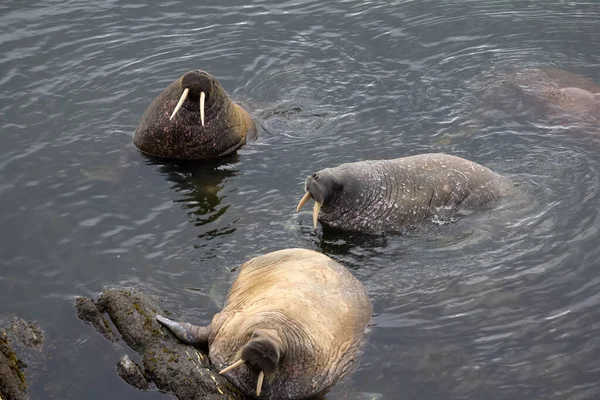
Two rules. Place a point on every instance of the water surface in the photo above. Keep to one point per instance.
(502, 304)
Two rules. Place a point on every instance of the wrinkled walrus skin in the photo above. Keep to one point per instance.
(294, 315)
(183, 137)
(391, 195)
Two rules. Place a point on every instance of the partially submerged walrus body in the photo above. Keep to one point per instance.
(559, 93)
(291, 326)
(193, 119)
(391, 195)
(570, 92)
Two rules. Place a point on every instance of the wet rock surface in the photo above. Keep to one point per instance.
(20, 336)
(131, 373)
(13, 384)
(169, 364)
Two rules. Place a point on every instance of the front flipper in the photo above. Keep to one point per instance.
(186, 332)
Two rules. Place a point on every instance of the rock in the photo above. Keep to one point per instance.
(27, 333)
(171, 365)
(88, 312)
(131, 373)
(13, 384)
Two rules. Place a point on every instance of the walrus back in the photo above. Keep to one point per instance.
(302, 284)
(315, 304)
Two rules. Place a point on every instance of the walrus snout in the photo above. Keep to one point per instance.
(263, 353)
(197, 81)
(322, 186)
(196, 85)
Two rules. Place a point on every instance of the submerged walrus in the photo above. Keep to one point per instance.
(552, 94)
(193, 119)
(390, 195)
(291, 326)
(570, 92)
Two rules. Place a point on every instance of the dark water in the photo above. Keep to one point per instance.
(501, 305)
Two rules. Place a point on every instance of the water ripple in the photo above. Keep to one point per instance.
(503, 302)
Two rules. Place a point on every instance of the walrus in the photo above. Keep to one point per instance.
(291, 326)
(378, 196)
(570, 92)
(550, 92)
(193, 119)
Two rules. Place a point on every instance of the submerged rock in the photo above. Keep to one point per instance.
(27, 333)
(171, 365)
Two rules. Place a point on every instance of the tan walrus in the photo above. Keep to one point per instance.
(193, 119)
(551, 92)
(572, 93)
(290, 328)
(378, 196)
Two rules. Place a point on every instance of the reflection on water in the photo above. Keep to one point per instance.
(199, 185)
(501, 304)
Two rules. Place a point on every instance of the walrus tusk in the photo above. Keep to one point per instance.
(303, 201)
(202, 96)
(261, 376)
(232, 366)
(181, 100)
(316, 209)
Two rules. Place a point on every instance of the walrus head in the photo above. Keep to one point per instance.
(579, 98)
(193, 118)
(329, 188)
(261, 355)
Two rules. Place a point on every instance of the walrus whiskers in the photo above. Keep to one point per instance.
(261, 376)
(181, 100)
(232, 366)
(316, 209)
(202, 96)
(303, 201)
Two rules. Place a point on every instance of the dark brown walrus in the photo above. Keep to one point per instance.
(390, 195)
(193, 119)
(291, 326)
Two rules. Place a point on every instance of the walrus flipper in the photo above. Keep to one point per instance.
(186, 332)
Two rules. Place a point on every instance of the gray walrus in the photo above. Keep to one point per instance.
(290, 328)
(390, 195)
(193, 119)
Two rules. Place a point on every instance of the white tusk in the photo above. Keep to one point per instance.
(181, 100)
(232, 366)
(303, 201)
(261, 376)
(202, 96)
(316, 209)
